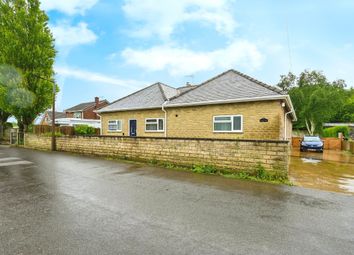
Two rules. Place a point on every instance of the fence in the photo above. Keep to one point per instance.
(351, 146)
(329, 143)
(64, 130)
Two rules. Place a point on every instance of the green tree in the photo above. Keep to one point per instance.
(27, 44)
(346, 112)
(287, 82)
(315, 99)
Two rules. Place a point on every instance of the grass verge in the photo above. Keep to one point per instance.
(258, 174)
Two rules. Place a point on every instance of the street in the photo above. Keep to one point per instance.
(59, 203)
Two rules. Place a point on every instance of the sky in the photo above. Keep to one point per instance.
(111, 48)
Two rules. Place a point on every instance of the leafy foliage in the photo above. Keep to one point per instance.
(84, 130)
(26, 54)
(334, 131)
(315, 99)
(204, 169)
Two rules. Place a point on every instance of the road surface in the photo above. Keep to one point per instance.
(58, 203)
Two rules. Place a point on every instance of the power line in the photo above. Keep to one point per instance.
(288, 41)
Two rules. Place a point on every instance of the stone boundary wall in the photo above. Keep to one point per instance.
(235, 155)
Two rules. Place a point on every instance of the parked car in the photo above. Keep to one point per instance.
(311, 143)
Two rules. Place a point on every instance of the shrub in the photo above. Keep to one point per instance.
(260, 172)
(84, 130)
(333, 131)
(204, 169)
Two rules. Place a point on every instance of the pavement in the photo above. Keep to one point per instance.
(59, 203)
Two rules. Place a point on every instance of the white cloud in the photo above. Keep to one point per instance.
(67, 35)
(162, 17)
(69, 7)
(181, 61)
(65, 72)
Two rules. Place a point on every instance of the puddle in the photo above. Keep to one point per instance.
(331, 170)
(311, 160)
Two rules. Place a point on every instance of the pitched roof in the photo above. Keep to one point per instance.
(230, 85)
(223, 88)
(57, 115)
(83, 106)
(186, 88)
(152, 96)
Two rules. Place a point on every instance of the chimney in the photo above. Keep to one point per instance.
(97, 102)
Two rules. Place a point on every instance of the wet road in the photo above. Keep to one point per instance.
(56, 203)
(331, 170)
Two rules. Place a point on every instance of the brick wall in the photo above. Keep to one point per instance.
(226, 154)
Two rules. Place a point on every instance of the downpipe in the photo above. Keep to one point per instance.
(165, 122)
(285, 124)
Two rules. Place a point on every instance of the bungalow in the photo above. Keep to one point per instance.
(231, 105)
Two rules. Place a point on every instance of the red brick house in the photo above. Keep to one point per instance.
(86, 110)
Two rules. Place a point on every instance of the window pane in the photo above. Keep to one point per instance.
(237, 123)
(151, 126)
(222, 126)
(119, 125)
(160, 124)
(151, 121)
(112, 127)
(222, 118)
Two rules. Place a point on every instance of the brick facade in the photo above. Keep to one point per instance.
(229, 154)
(197, 121)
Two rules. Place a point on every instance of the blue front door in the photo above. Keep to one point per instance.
(132, 127)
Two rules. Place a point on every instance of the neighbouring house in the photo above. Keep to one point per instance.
(46, 118)
(231, 105)
(83, 114)
(86, 110)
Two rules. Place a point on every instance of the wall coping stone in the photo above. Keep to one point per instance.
(177, 138)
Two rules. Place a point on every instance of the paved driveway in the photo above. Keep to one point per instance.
(331, 170)
(56, 203)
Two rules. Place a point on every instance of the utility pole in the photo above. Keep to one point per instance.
(54, 142)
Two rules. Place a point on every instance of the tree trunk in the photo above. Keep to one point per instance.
(21, 127)
(310, 125)
(1, 131)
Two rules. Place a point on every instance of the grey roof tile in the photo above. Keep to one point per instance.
(152, 96)
(82, 106)
(57, 115)
(229, 85)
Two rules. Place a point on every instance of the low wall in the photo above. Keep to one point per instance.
(329, 143)
(235, 155)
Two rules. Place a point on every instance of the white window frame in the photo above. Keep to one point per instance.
(80, 113)
(157, 123)
(228, 121)
(117, 130)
